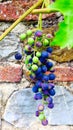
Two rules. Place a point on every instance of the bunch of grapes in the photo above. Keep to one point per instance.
(37, 51)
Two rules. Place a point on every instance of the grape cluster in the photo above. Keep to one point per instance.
(37, 50)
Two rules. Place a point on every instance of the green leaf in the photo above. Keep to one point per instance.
(64, 35)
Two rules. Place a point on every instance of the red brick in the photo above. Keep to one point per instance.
(10, 72)
(63, 74)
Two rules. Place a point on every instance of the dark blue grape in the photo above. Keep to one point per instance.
(18, 56)
(45, 78)
(49, 65)
(52, 92)
(38, 84)
(35, 89)
(44, 68)
(38, 71)
(51, 76)
(44, 54)
(46, 92)
(42, 60)
(49, 49)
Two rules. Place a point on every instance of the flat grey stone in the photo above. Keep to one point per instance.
(21, 107)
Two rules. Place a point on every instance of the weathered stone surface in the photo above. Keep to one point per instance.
(6, 89)
(8, 47)
(62, 55)
(10, 72)
(21, 107)
(35, 126)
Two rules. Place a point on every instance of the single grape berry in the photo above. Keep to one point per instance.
(45, 42)
(49, 65)
(35, 89)
(49, 100)
(44, 86)
(18, 56)
(38, 44)
(51, 76)
(23, 37)
(45, 78)
(49, 49)
(29, 32)
(44, 54)
(34, 67)
(44, 68)
(45, 122)
(52, 92)
(41, 117)
(49, 36)
(38, 54)
(35, 59)
(27, 48)
(38, 96)
(30, 41)
(37, 113)
(38, 71)
(38, 33)
(51, 105)
(41, 107)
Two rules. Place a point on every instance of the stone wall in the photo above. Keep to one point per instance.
(17, 106)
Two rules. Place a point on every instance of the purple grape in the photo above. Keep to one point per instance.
(45, 92)
(18, 56)
(38, 33)
(49, 36)
(51, 85)
(49, 100)
(37, 113)
(51, 105)
(44, 86)
(38, 96)
(38, 44)
(45, 122)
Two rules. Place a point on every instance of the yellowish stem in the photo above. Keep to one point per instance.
(45, 11)
(20, 19)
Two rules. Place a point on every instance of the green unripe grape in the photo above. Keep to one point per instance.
(22, 37)
(29, 32)
(34, 67)
(38, 54)
(30, 41)
(26, 61)
(39, 89)
(41, 117)
(45, 42)
(35, 59)
(26, 48)
(28, 58)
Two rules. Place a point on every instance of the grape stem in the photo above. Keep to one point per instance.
(21, 18)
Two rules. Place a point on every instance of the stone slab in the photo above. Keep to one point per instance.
(21, 107)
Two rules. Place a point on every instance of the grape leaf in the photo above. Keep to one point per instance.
(64, 35)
